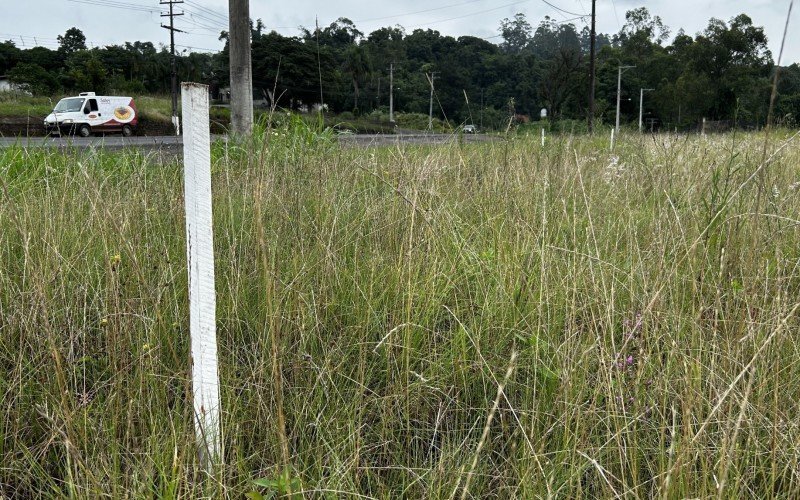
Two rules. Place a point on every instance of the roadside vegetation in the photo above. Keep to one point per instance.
(722, 73)
(638, 309)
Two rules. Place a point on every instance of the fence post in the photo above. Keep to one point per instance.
(200, 262)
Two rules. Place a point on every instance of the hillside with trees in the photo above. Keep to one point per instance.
(722, 73)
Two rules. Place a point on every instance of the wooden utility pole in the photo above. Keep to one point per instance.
(172, 30)
(241, 67)
(592, 52)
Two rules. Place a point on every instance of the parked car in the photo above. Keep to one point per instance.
(88, 113)
(470, 129)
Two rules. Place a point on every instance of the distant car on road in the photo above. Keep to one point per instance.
(88, 113)
(470, 129)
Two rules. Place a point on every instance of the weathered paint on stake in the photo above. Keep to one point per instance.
(200, 260)
(612, 139)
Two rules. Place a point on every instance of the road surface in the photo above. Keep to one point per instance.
(112, 141)
(174, 142)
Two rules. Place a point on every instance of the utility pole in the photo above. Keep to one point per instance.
(391, 93)
(619, 91)
(431, 78)
(481, 125)
(641, 106)
(592, 66)
(172, 30)
(241, 67)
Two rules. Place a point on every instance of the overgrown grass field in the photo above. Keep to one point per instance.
(470, 321)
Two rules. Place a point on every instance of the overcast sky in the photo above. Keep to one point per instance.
(40, 21)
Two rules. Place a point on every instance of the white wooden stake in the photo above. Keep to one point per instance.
(200, 259)
(612, 139)
(542, 137)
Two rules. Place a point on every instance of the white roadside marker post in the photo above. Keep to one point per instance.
(542, 137)
(612, 139)
(200, 261)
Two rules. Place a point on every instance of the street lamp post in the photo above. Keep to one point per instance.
(641, 106)
(619, 91)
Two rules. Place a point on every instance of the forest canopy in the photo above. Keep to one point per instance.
(721, 73)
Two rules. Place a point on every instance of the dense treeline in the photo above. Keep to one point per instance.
(722, 73)
(135, 68)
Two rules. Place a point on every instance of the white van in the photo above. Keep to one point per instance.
(89, 113)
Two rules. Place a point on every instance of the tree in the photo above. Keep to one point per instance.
(640, 24)
(85, 72)
(339, 34)
(357, 66)
(72, 41)
(552, 37)
(516, 33)
(34, 79)
(9, 56)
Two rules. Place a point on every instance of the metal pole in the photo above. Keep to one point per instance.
(241, 67)
(592, 66)
(641, 106)
(391, 93)
(619, 93)
(481, 109)
(430, 110)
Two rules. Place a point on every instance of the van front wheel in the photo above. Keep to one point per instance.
(127, 131)
(84, 130)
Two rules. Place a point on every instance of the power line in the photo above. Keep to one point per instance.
(556, 7)
(417, 12)
(614, 6)
(471, 14)
(205, 19)
(200, 25)
(30, 36)
(190, 47)
(118, 5)
(208, 11)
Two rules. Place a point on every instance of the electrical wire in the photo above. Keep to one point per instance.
(190, 47)
(208, 11)
(614, 6)
(118, 5)
(205, 19)
(562, 10)
(555, 7)
(417, 12)
(471, 14)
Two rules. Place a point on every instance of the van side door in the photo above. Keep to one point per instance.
(92, 112)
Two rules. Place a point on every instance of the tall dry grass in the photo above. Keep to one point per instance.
(370, 303)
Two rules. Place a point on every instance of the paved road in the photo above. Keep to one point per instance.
(112, 141)
(173, 142)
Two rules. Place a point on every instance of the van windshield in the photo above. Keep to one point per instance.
(69, 105)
